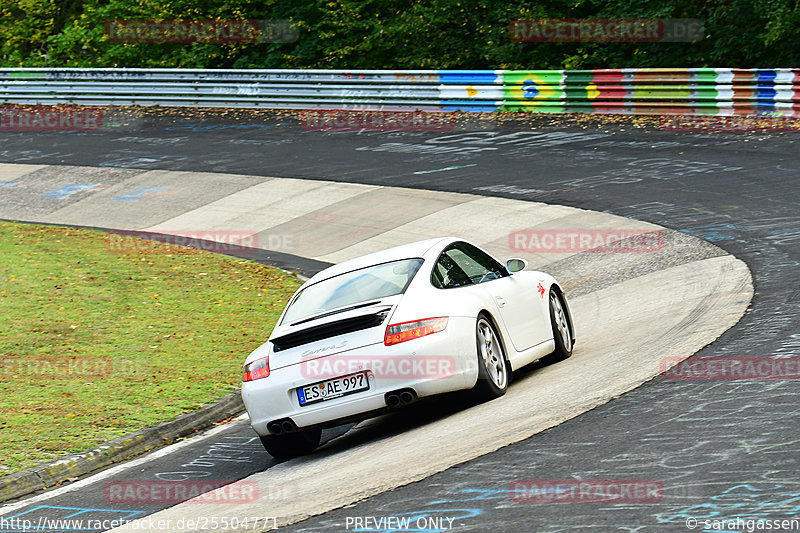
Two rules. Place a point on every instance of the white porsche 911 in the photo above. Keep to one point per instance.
(381, 331)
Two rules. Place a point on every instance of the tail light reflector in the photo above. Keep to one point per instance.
(406, 331)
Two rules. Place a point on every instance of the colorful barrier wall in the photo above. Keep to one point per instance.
(696, 91)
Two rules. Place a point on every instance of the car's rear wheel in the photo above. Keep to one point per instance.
(292, 444)
(493, 368)
(562, 332)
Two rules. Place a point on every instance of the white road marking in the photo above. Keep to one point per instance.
(445, 168)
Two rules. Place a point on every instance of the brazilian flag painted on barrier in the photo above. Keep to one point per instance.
(533, 90)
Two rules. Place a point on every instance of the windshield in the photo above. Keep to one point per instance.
(363, 285)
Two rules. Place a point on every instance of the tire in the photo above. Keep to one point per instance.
(562, 330)
(493, 368)
(292, 444)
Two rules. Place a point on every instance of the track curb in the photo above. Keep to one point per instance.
(47, 475)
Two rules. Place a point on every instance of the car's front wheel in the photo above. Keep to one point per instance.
(562, 333)
(492, 364)
(292, 444)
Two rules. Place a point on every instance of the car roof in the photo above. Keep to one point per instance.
(423, 249)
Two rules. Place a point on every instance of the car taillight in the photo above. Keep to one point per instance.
(256, 370)
(405, 331)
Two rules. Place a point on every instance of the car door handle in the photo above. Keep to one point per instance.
(500, 301)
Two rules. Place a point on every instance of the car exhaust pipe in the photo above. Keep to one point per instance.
(399, 398)
(284, 425)
(407, 397)
(393, 399)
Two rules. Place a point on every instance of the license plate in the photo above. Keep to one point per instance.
(332, 388)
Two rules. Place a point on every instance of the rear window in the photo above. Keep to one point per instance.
(351, 288)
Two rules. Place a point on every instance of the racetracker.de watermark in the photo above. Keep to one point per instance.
(201, 31)
(219, 241)
(54, 367)
(346, 120)
(51, 118)
(174, 492)
(537, 241)
(199, 522)
(399, 367)
(730, 368)
(646, 30)
(586, 490)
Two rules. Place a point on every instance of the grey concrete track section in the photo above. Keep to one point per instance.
(633, 309)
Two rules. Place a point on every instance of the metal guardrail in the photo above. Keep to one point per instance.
(707, 91)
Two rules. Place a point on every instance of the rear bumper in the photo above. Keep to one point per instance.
(438, 363)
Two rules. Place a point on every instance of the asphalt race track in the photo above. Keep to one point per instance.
(610, 295)
(721, 449)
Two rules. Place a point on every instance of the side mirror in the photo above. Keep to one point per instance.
(515, 265)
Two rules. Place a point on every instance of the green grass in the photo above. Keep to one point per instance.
(96, 343)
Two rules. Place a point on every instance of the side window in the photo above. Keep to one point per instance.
(447, 274)
(463, 264)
